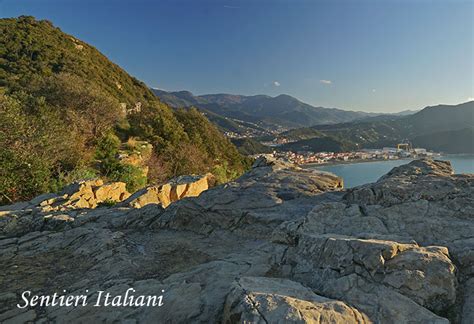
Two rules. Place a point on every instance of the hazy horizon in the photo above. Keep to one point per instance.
(353, 55)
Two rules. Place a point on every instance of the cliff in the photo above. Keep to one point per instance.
(279, 244)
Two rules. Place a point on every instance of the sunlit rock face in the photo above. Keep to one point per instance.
(279, 244)
(174, 190)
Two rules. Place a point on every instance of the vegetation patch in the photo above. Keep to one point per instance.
(68, 113)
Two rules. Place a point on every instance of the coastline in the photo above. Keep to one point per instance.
(462, 163)
(312, 165)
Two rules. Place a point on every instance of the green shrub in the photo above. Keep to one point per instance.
(85, 173)
(65, 178)
(22, 177)
(131, 175)
(107, 203)
(223, 173)
(34, 147)
(106, 152)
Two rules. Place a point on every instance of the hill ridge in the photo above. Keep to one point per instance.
(280, 112)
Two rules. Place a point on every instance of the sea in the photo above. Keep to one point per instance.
(356, 174)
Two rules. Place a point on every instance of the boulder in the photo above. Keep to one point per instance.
(426, 275)
(420, 179)
(80, 188)
(88, 194)
(115, 191)
(150, 195)
(190, 186)
(79, 195)
(174, 190)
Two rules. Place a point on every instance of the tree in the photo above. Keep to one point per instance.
(158, 125)
(34, 147)
(91, 111)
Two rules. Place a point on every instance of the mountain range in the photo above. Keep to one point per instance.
(272, 113)
(443, 128)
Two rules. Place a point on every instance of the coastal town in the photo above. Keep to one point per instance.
(402, 151)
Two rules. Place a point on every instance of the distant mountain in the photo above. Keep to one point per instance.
(405, 112)
(455, 141)
(281, 112)
(440, 118)
(177, 99)
(234, 127)
(444, 128)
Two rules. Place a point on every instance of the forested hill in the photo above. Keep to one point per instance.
(32, 50)
(443, 128)
(67, 112)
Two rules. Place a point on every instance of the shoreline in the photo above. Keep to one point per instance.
(332, 163)
(312, 165)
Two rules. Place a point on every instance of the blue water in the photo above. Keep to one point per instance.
(356, 174)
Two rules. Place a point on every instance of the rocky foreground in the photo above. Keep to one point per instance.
(278, 245)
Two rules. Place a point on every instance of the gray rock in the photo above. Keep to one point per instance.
(424, 274)
(274, 300)
(278, 244)
(468, 305)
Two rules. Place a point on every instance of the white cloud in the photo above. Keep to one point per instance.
(325, 81)
(276, 83)
(374, 90)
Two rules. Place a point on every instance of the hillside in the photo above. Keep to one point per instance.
(249, 146)
(33, 49)
(281, 112)
(439, 119)
(67, 112)
(455, 141)
(442, 128)
(319, 144)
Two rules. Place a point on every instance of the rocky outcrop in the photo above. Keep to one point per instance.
(279, 244)
(87, 194)
(81, 194)
(401, 276)
(275, 300)
(176, 189)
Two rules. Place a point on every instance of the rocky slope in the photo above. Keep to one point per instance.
(278, 245)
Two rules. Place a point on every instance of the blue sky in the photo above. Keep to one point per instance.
(359, 55)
